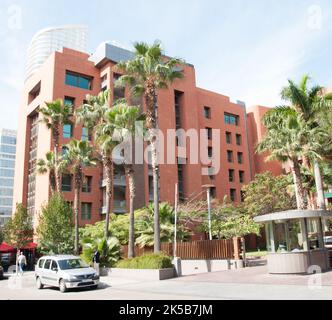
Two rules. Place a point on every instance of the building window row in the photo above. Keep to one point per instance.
(229, 139)
(67, 181)
(231, 175)
(68, 132)
(230, 157)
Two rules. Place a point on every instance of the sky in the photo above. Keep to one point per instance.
(245, 49)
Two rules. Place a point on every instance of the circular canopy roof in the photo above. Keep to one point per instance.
(293, 214)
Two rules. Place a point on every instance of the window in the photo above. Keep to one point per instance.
(67, 131)
(207, 112)
(64, 150)
(241, 176)
(7, 173)
(47, 264)
(231, 175)
(240, 157)
(238, 139)
(177, 102)
(228, 137)
(86, 209)
(242, 196)
(180, 181)
(87, 183)
(66, 182)
(209, 133)
(230, 156)
(86, 136)
(8, 140)
(118, 92)
(41, 262)
(233, 194)
(34, 93)
(6, 192)
(213, 192)
(210, 152)
(231, 119)
(54, 266)
(79, 81)
(7, 164)
(6, 201)
(69, 101)
(7, 149)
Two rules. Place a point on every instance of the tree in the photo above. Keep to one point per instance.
(78, 156)
(51, 166)
(288, 138)
(55, 115)
(92, 115)
(2, 235)
(145, 74)
(19, 230)
(124, 118)
(268, 194)
(55, 229)
(309, 102)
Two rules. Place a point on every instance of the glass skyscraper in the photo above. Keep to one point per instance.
(7, 169)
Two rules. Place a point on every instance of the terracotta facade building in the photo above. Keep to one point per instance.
(71, 75)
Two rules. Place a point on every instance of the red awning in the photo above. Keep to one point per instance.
(30, 246)
(4, 247)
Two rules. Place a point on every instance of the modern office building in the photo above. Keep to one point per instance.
(71, 75)
(7, 167)
(49, 40)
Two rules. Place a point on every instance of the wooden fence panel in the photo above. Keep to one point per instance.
(206, 249)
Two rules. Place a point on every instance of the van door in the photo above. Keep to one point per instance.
(45, 273)
(54, 273)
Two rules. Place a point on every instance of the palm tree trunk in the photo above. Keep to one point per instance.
(52, 182)
(77, 208)
(108, 168)
(299, 191)
(151, 123)
(56, 135)
(132, 193)
(319, 187)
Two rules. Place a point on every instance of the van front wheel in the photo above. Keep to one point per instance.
(62, 286)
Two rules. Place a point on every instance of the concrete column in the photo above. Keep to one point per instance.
(304, 234)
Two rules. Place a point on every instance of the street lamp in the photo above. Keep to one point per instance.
(208, 195)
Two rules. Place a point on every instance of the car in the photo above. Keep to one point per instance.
(1, 273)
(65, 272)
(328, 242)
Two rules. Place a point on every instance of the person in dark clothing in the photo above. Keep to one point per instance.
(96, 261)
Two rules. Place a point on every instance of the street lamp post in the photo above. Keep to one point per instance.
(208, 195)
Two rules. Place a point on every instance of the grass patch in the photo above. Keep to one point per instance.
(149, 261)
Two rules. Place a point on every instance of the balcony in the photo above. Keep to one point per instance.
(119, 181)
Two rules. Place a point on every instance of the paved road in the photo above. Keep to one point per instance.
(251, 283)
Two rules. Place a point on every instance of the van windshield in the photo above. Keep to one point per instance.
(68, 264)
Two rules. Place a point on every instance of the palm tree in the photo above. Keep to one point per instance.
(308, 102)
(55, 115)
(124, 119)
(92, 115)
(79, 155)
(51, 166)
(289, 138)
(145, 74)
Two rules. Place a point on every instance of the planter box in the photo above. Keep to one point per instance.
(143, 274)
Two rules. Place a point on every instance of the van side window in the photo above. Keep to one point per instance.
(41, 262)
(54, 265)
(47, 264)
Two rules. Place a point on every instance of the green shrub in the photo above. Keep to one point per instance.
(149, 261)
(109, 250)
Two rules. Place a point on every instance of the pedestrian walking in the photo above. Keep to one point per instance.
(22, 262)
(96, 261)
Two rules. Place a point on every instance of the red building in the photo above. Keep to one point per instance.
(71, 75)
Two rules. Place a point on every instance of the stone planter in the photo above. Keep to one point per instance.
(143, 274)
